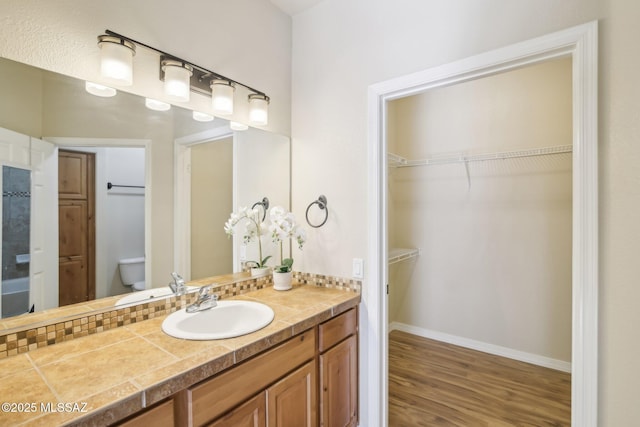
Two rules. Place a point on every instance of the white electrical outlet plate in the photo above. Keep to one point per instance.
(358, 268)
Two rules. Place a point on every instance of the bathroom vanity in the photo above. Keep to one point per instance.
(300, 370)
(314, 374)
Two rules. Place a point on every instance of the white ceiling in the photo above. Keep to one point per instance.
(293, 7)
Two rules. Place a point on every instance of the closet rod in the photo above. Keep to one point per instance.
(484, 157)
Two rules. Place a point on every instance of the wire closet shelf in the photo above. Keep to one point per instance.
(397, 161)
(402, 254)
(393, 160)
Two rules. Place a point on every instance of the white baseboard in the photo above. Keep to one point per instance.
(547, 362)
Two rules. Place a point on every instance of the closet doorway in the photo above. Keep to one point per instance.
(479, 198)
(579, 45)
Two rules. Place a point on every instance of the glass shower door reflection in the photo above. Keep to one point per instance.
(16, 221)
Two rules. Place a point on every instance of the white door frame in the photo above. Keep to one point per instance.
(182, 195)
(581, 44)
(85, 143)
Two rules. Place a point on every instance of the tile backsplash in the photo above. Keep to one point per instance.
(30, 337)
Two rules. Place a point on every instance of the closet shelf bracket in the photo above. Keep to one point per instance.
(394, 160)
(402, 254)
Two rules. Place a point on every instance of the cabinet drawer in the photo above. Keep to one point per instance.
(216, 396)
(335, 330)
(160, 415)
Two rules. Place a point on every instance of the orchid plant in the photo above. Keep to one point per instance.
(254, 230)
(283, 226)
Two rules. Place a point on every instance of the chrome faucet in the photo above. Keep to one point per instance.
(206, 300)
(177, 287)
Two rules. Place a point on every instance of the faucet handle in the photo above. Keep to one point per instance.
(177, 279)
(177, 287)
(206, 291)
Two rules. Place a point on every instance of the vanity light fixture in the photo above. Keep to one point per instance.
(238, 126)
(259, 109)
(99, 90)
(116, 59)
(202, 117)
(222, 96)
(180, 77)
(154, 104)
(177, 76)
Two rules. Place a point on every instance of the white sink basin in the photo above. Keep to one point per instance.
(149, 294)
(227, 320)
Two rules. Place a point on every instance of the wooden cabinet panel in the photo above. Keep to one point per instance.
(72, 228)
(339, 385)
(160, 416)
(72, 175)
(291, 402)
(73, 273)
(251, 414)
(212, 398)
(337, 329)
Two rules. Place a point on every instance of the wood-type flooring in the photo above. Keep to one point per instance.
(432, 383)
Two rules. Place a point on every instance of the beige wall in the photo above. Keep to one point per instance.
(211, 203)
(374, 41)
(262, 172)
(495, 261)
(24, 117)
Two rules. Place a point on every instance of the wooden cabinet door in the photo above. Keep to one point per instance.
(215, 397)
(291, 402)
(251, 414)
(339, 385)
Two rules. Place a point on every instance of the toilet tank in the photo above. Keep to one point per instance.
(131, 270)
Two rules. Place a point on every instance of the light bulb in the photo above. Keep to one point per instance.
(222, 96)
(99, 90)
(238, 126)
(154, 104)
(202, 117)
(259, 109)
(116, 60)
(177, 77)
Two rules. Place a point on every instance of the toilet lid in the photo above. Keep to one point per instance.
(139, 286)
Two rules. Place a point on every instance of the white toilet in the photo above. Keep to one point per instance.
(132, 273)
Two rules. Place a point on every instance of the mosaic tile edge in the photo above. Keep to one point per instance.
(21, 340)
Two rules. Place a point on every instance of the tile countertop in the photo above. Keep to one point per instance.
(105, 377)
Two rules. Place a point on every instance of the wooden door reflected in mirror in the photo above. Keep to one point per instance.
(76, 222)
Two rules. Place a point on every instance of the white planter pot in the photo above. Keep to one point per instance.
(282, 281)
(260, 271)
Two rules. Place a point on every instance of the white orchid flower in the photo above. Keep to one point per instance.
(301, 236)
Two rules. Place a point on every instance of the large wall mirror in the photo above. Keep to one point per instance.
(155, 186)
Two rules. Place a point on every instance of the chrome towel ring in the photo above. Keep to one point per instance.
(265, 206)
(322, 204)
